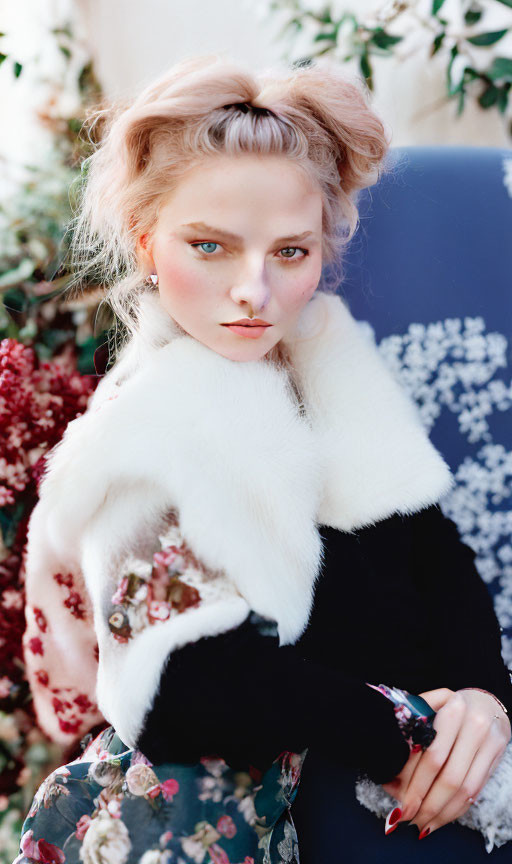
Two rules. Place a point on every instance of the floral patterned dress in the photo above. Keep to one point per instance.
(112, 806)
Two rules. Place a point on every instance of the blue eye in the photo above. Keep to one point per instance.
(210, 243)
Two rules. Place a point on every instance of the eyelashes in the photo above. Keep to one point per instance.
(205, 255)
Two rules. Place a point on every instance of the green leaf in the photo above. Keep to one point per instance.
(17, 69)
(502, 100)
(506, 3)
(2, 58)
(436, 5)
(384, 40)
(489, 97)
(14, 299)
(460, 101)
(472, 16)
(366, 69)
(324, 50)
(501, 68)
(65, 50)
(436, 44)
(74, 125)
(471, 73)
(487, 38)
(322, 36)
(325, 16)
(62, 31)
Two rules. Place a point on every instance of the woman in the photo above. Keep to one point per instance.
(246, 518)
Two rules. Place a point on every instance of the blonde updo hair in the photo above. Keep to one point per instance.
(316, 116)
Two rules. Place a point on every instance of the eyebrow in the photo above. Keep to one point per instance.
(235, 238)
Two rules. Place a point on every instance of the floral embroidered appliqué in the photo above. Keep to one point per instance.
(150, 592)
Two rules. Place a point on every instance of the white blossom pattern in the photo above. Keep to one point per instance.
(455, 365)
(507, 179)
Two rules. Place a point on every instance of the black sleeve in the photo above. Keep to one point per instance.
(466, 635)
(243, 698)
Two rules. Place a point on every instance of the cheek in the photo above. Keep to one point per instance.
(301, 289)
(179, 281)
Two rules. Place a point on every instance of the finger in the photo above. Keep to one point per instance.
(447, 723)
(452, 779)
(482, 768)
(437, 698)
(397, 787)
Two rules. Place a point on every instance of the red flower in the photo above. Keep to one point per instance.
(218, 855)
(40, 619)
(83, 702)
(74, 603)
(41, 851)
(42, 677)
(66, 579)
(68, 726)
(226, 826)
(59, 706)
(49, 854)
(169, 788)
(82, 825)
(35, 645)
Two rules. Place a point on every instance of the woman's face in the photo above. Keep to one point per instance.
(240, 237)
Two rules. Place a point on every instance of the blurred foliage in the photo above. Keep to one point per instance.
(47, 373)
(349, 35)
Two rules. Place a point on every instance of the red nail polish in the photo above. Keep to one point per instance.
(392, 820)
(424, 833)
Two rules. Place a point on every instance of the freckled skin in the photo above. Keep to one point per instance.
(260, 199)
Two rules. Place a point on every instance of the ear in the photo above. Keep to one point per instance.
(144, 252)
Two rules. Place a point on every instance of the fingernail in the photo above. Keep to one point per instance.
(392, 820)
(424, 834)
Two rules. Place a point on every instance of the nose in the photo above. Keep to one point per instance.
(252, 289)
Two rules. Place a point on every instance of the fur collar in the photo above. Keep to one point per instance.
(225, 443)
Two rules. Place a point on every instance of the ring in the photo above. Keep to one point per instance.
(470, 800)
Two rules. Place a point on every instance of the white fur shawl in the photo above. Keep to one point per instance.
(174, 426)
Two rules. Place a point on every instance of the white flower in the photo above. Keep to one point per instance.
(106, 842)
(507, 180)
(140, 778)
(248, 810)
(103, 773)
(155, 856)
(193, 848)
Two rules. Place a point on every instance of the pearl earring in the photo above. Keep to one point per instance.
(152, 279)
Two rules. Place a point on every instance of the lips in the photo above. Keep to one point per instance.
(248, 322)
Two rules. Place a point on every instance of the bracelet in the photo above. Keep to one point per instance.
(413, 714)
(500, 703)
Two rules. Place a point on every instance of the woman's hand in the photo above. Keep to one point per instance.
(438, 785)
